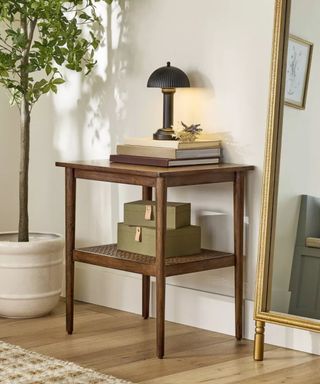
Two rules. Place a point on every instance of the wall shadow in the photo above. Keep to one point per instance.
(93, 123)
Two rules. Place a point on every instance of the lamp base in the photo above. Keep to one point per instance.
(164, 134)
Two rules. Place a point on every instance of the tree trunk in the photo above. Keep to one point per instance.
(24, 171)
(23, 234)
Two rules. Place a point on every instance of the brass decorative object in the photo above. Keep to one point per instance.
(189, 133)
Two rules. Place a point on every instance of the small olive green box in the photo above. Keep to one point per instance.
(135, 213)
(179, 242)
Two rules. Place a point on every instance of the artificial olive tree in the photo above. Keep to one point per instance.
(37, 39)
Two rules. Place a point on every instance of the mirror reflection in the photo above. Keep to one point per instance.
(296, 260)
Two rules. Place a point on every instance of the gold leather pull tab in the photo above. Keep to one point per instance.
(148, 212)
(138, 234)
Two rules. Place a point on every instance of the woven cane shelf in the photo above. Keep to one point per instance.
(110, 256)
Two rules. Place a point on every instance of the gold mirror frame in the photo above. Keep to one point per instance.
(262, 313)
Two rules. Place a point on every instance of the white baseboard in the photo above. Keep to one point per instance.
(110, 288)
(213, 312)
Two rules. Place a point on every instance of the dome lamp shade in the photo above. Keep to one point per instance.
(168, 77)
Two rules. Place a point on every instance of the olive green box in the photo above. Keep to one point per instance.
(178, 214)
(179, 242)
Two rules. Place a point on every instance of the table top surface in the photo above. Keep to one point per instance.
(143, 170)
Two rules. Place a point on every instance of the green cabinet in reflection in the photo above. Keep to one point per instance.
(305, 273)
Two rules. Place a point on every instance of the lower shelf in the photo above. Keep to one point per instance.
(109, 256)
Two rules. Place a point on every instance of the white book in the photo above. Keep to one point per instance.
(175, 163)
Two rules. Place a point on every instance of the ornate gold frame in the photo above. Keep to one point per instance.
(262, 313)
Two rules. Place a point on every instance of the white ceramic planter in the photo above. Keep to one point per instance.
(30, 274)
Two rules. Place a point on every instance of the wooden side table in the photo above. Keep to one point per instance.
(108, 256)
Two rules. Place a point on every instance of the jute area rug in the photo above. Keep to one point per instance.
(18, 366)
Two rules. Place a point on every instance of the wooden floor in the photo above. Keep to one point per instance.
(123, 345)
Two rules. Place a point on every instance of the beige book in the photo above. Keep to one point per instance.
(172, 143)
(168, 153)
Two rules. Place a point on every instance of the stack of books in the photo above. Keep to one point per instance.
(168, 153)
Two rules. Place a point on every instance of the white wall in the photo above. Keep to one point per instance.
(212, 41)
(230, 75)
(225, 47)
(9, 146)
(299, 156)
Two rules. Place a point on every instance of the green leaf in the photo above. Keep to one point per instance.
(48, 69)
(46, 88)
(54, 88)
(59, 59)
(84, 16)
(58, 81)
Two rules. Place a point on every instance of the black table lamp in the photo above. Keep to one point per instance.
(168, 78)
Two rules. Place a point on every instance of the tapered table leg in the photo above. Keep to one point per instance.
(145, 296)
(70, 215)
(259, 341)
(146, 195)
(161, 212)
(238, 194)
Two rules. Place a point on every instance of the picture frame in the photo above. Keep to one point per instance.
(297, 72)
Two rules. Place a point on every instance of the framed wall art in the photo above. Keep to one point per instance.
(298, 71)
